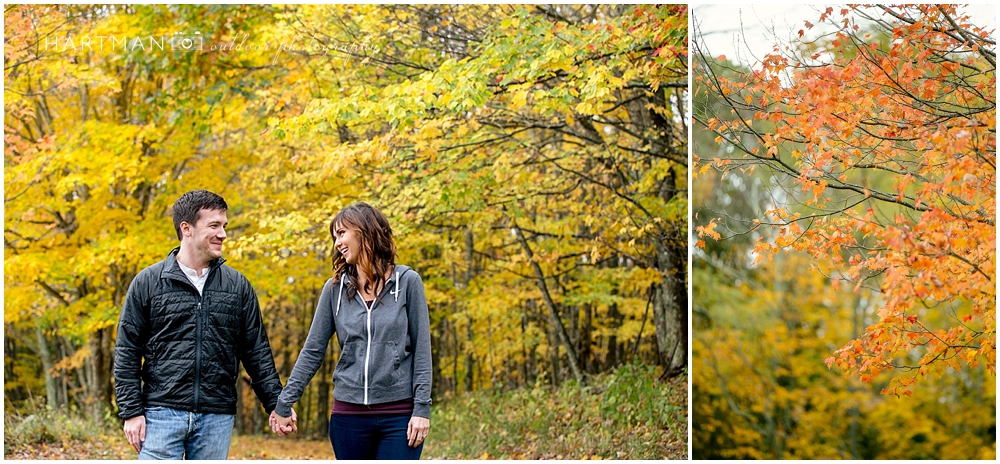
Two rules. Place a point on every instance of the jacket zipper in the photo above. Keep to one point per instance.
(198, 331)
(368, 351)
(197, 355)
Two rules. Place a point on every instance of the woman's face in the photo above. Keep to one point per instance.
(348, 243)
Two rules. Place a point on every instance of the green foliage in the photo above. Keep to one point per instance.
(51, 430)
(624, 414)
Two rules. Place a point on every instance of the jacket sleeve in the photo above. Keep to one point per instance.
(255, 352)
(313, 352)
(420, 333)
(133, 333)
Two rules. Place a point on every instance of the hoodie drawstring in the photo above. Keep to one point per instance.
(396, 292)
(338, 296)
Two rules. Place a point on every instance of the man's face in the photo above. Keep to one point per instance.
(205, 238)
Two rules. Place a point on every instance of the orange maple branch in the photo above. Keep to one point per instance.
(960, 258)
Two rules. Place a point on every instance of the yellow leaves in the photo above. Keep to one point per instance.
(519, 100)
(512, 22)
(74, 361)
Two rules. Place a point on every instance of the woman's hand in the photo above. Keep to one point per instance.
(417, 430)
(283, 425)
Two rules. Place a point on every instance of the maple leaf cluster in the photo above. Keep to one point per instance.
(890, 148)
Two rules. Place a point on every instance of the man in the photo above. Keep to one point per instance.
(185, 325)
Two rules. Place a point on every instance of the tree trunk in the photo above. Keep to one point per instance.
(489, 350)
(51, 391)
(469, 274)
(525, 366)
(616, 320)
(670, 316)
(470, 360)
(455, 351)
(93, 367)
(438, 345)
(670, 312)
(554, 352)
(534, 365)
(105, 366)
(553, 311)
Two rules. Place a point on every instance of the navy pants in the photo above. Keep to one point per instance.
(377, 436)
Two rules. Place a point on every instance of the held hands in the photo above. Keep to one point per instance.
(417, 430)
(283, 425)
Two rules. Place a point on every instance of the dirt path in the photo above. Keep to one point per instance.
(242, 447)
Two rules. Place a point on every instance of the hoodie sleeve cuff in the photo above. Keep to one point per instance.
(283, 410)
(422, 410)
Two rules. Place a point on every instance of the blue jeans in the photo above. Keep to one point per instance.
(174, 434)
(379, 436)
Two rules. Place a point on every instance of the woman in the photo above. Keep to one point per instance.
(382, 382)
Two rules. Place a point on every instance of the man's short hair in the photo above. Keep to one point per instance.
(188, 207)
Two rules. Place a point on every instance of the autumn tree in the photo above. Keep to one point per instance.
(540, 142)
(532, 161)
(101, 136)
(761, 391)
(883, 141)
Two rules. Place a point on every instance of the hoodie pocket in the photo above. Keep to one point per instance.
(384, 368)
(348, 372)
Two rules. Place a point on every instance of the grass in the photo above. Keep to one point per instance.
(626, 414)
(57, 435)
(53, 435)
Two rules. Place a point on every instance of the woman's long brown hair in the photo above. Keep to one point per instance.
(378, 249)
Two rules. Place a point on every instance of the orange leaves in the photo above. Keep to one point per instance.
(709, 230)
(899, 142)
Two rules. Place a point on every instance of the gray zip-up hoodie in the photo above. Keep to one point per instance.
(385, 352)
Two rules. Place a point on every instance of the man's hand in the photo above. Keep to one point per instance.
(135, 431)
(284, 425)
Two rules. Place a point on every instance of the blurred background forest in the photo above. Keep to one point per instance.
(532, 160)
(772, 305)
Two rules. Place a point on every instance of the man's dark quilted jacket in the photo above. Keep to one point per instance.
(187, 347)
